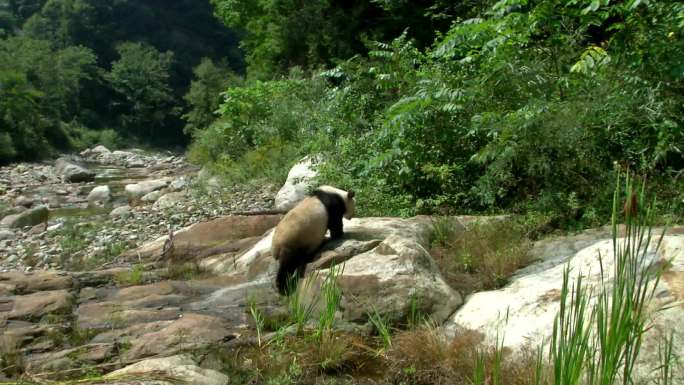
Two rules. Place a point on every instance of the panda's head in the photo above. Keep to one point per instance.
(347, 197)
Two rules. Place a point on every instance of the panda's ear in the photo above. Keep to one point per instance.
(350, 194)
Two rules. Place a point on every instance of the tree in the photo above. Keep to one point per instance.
(21, 124)
(204, 97)
(141, 79)
(58, 73)
(284, 33)
(64, 22)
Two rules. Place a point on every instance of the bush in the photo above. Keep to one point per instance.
(531, 107)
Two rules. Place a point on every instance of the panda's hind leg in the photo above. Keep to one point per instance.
(291, 268)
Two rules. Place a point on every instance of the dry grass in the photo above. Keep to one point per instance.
(302, 359)
(424, 356)
(484, 256)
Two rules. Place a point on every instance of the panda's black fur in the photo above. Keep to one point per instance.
(302, 231)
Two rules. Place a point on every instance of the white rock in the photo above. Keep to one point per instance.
(54, 227)
(122, 154)
(180, 368)
(179, 183)
(152, 197)
(531, 301)
(100, 149)
(296, 186)
(99, 196)
(135, 163)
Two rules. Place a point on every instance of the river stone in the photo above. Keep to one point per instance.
(30, 217)
(6, 234)
(25, 201)
(99, 196)
(179, 369)
(299, 181)
(168, 200)
(122, 212)
(96, 151)
(138, 190)
(152, 197)
(178, 184)
(135, 163)
(89, 354)
(73, 173)
(390, 279)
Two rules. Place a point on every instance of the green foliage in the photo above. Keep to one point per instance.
(598, 341)
(60, 87)
(134, 276)
(34, 102)
(203, 97)
(141, 78)
(523, 106)
(61, 21)
(284, 33)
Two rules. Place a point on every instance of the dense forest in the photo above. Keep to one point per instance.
(78, 72)
(421, 106)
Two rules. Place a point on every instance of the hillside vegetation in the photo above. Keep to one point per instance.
(524, 106)
(78, 72)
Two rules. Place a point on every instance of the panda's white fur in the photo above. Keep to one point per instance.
(302, 230)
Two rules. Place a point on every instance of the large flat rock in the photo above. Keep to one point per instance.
(36, 305)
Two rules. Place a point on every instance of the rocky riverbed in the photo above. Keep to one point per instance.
(84, 224)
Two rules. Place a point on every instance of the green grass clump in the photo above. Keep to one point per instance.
(484, 256)
(598, 342)
(134, 276)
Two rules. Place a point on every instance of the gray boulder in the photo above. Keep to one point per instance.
(385, 267)
(30, 217)
(138, 190)
(25, 201)
(122, 212)
(72, 172)
(168, 200)
(6, 234)
(152, 196)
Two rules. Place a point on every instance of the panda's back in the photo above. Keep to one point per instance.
(304, 226)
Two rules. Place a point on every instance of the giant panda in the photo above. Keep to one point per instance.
(302, 230)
